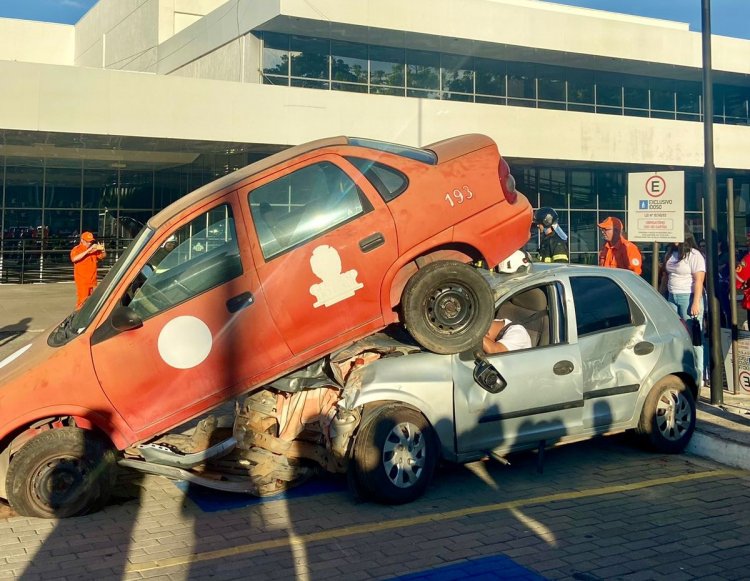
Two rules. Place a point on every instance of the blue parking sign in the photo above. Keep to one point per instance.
(643, 204)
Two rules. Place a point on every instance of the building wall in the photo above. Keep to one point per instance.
(576, 34)
(36, 42)
(82, 100)
(125, 34)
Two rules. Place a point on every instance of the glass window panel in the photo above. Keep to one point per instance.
(310, 84)
(349, 87)
(637, 112)
(608, 95)
(203, 256)
(491, 100)
(522, 103)
(91, 219)
(521, 81)
(580, 87)
(580, 108)
(600, 304)
(551, 84)
(552, 189)
(100, 188)
(526, 183)
(656, 114)
(636, 97)
(490, 77)
(582, 191)
(609, 110)
(457, 75)
(349, 62)
(303, 205)
(583, 237)
(552, 105)
(137, 189)
(275, 80)
(63, 223)
(170, 185)
(662, 100)
(309, 57)
(387, 66)
(422, 94)
(394, 91)
(275, 54)
(689, 98)
(23, 183)
(62, 188)
(610, 188)
(423, 69)
(735, 103)
(21, 223)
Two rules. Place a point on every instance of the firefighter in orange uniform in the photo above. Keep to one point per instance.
(85, 258)
(618, 251)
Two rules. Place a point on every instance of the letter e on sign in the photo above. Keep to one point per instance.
(656, 186)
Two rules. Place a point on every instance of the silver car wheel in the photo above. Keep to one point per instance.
(404, 454)
(673, 414)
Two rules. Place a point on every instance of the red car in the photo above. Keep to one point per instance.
(246, 279)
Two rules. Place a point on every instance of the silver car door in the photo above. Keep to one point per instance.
(543, 397)
(619, 347)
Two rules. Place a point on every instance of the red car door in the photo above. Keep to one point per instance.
(207, 331)
(325, 240)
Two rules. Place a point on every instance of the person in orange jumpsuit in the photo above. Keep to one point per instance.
(85, 257)
(618, 251)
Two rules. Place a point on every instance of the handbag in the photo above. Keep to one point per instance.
(694, 329)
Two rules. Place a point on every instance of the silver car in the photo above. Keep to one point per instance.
(608, 354)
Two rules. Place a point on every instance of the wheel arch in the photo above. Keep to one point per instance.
(14, 439)
(404, 269)
(442, 429)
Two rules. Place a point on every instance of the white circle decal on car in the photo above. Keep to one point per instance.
(184, 342)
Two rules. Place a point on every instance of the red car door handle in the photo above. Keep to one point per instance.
(371, 242)
(240, 302)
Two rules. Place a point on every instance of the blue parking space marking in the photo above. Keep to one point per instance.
(215, 500)
(496, 567)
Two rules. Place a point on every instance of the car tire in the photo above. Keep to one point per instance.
(394, 455)
(448, 307)
(60, 473)
(668, 418)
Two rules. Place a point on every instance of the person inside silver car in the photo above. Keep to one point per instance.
(505, 335)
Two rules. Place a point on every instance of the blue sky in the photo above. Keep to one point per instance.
(728, 17)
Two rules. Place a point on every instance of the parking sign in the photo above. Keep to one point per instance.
(656, 206)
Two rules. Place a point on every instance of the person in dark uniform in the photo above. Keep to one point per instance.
(554, 243)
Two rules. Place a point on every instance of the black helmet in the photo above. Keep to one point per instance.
(546, 217)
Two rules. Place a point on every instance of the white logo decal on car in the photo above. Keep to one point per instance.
(184, 342)
(336, 286)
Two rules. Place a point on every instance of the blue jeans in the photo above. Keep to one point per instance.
(681, 304)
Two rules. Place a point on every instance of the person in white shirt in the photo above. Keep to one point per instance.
(504, 335)
(686, 273)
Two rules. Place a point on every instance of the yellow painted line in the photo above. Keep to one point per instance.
(418, 520)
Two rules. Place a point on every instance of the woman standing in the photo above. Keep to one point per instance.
(686, 272)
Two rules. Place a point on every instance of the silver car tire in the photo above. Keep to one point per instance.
(394, 455)
(668, 418)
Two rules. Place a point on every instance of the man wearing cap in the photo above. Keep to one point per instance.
(618, 251)
(85, 258)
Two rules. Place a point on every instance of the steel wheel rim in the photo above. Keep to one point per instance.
(58, 483)
(404, 455)
(673, 415)
(451, 308)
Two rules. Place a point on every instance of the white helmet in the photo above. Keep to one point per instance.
(518, 261)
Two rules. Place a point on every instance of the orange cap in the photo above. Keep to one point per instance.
(611, 222)
(87, 237)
